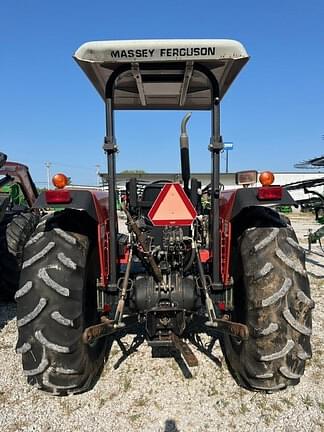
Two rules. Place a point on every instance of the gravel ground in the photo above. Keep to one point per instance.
(140, 393)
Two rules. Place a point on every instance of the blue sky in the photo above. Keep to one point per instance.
(49, 111)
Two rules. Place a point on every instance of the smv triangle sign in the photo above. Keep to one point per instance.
(172, 207)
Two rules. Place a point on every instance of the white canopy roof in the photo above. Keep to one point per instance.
(162, 74)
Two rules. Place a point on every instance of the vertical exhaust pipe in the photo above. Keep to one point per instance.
(184, 150)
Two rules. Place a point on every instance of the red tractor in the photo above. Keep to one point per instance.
(231, 268)
(17, 222)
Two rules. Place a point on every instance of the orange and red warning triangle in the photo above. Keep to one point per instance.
(172, 207)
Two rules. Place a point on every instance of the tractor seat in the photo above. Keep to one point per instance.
(141, 203)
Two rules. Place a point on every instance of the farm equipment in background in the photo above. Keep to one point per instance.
(231, 269)
(314, 204)
(314, 237)
(17, 222)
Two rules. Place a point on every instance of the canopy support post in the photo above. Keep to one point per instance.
(215, 147)
(110, 147)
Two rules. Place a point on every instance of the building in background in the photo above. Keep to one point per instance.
(227, 179)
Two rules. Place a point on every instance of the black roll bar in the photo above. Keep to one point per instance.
(215, 147)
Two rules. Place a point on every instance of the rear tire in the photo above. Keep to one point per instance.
(272, 297)
(14, 233)
(55, 303)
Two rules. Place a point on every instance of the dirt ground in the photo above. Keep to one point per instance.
(140, 393)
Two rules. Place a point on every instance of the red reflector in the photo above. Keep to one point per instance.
(221, 306)
(58, 196)
(270, 193)
(204, 255)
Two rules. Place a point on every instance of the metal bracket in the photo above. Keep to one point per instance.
(185, 84)
(138, 78)
(110, 145)
(216, 145)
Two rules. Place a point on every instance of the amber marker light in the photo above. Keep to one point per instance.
(266, 178)
(60, 180)
(58, 195)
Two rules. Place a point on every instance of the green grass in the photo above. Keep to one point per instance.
(307, 400)
(321, 406)
(244, 409)
(127, 383)
(140, 402)
(212, 391)
(134, 417)
(276, 407)
(287, 402)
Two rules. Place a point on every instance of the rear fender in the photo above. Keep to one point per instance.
(232, 202)
(95, 204)
(239, 210)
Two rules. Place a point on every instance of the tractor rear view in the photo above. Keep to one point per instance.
(17, 222)
(232, 269)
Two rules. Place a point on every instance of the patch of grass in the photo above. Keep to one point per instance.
(101, 402)
(212, 391)
(307, 400)
(3, 396)
(276, 407)
(242, 392)
(127, 383)
(17, 426)
(221, 403)
(317, 359)
(321, 406)
(157, 406)
(267, 420)
(134, 417)
(244, 409)
(287, 402)
(140, 402)
(67, 408)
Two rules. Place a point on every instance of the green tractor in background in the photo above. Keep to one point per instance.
(17, 222)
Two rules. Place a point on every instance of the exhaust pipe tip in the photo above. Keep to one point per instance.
(184, 150)
(184, 142)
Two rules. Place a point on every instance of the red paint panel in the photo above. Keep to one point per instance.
(227, 200)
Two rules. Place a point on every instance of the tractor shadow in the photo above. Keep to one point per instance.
(8, 312)
(127, 349)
